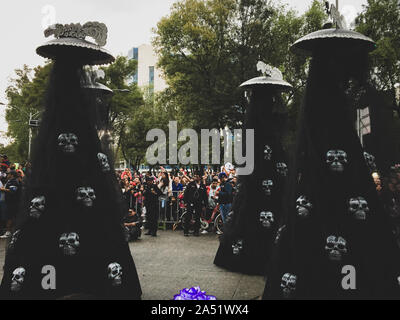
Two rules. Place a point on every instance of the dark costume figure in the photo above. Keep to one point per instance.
(133, 225)
(249, 231)
(196, 200)
(335, 226)
(70, 226)
(151, 194)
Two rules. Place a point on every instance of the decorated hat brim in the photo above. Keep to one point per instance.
(333, 39)
(80, 50)
(99, 87)
(267, 82)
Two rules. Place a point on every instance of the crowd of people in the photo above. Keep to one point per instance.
(165, 195)
(12, 178)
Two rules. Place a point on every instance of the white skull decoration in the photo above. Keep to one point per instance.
(303, 207)
(358, 207)
(17, 280)
(267, 186)
(370, 160)
(336, 248)
(13, 241)
(69, 243)
(336, 159)
(37, 207)
(67, 142)
(282, 169)
(267, 153)
(288, 285)
(267, 219)
(103, 160)
(115, 274)
(85, 196)
(237, 247)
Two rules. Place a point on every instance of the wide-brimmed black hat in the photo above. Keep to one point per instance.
(70, 43)
(347, 41)
(272, 78)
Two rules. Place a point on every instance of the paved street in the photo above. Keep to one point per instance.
(171, 262)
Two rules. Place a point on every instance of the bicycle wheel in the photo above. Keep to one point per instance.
(218, 223)
(203, 225)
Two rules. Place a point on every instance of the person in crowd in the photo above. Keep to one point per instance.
(225, 195)
(151, 194)
(126, 174)
(133, 225)
(12, 196)
(196, 201)
(3, 209)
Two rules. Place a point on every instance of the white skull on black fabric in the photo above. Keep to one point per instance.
(267, 219)
(67, 142)
(103, 160)
(370, 161)
(13, 241)
(267, 186)
(115, 274)
(17, 279)
(358, 207)
(288, 285)
(237, 247)
(85, 196)
(267, 153)
(69, 243)
(337, 160)
(37, 207)
(303, 207)
(336, 248)
(282, 169)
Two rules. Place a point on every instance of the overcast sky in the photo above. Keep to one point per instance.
(129, 24)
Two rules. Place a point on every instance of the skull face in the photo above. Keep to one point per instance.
(69, 243)
(303, 207)
(237, 247)
(103, 160)
(67, 142)
(370, 161)
(282, 169)
(336, 248)
(267, 186)
(115, 274)
(85, 196)
(13, 241)
(37, 207)
(358, 207)
(267, 219)
(267, 153)
(337, 160)
(288, 285)
(17, 280)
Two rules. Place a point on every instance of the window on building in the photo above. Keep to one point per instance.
(135, 56)
(151, 75)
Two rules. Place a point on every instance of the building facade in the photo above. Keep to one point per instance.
(148, 75)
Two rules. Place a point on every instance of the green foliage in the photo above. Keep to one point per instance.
(380, 20)
(207, 48)
(25, 95)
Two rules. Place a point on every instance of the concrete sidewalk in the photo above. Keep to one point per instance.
(170, 262)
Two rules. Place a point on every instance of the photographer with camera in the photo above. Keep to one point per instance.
(151, 193)
(196, 200)
(225, 195)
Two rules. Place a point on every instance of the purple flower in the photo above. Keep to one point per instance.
(193, 293)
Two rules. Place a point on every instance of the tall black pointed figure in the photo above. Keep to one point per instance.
(70, 242)
(337, 241)
(250, 229)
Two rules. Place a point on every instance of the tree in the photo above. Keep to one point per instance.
(208, 48)
(380, 20)
(25, 95)
(126, 99)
